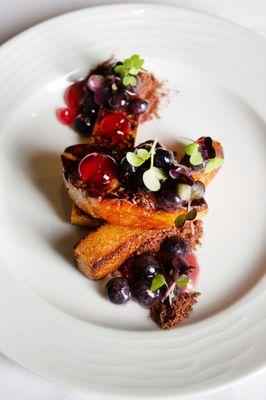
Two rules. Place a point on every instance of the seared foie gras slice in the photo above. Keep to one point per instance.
(115, 205)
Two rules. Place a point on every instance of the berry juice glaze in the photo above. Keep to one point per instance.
(192, 260)
(73, 96)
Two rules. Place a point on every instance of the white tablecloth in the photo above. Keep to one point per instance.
(16, 383)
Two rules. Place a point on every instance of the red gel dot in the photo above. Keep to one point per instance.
(66, 116)
(74, 94)
(97, 169)
(115, 125)
(192, 260)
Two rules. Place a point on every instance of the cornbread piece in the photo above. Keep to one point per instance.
(207, 178)
(104, 250)
(80, 218)
(118, 143)
(167, 316)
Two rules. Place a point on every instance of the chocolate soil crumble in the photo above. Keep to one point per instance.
(167, 316)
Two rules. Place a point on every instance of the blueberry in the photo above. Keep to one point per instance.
(164, 159)
(172, 247)
(89, 108)
(119, 100)
(168, 200)
(180, 265)
(144, 267)
(144, 295)
(139, 106)
(127, 172)
(84, 125)
(118, 290)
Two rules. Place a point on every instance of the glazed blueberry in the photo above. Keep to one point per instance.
(168, 200)
(147, 145)
(84, 124)
(139, 106)
(118, 100)
(144, 295)
(127, 171)
(180, 265)
(145, 267)
(164, 159)
(89, 108)
(173, 247)
(118, 290)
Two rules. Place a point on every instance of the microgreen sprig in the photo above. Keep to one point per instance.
(160, 281)
(152, 176)
(130, 69)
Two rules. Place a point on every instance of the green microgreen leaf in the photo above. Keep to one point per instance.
(191, 215)
(129, 70)
(137, 159)
(183, 191)
(213, 163)
(121, 70)
(134, 159)
(129, 80)
(133, 71)
(180, 220)
(157, 282)
(152, 177)
(191, 148)
(137, 62)
(183, 282)
(143, 153)
(193, 151)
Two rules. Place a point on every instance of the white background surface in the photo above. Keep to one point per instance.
(15, 15)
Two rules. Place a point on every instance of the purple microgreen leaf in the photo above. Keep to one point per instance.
(182, 175)
(207, 150)
(168, 292)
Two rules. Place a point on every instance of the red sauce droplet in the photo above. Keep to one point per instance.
(97, 169)
(115, 125)
(66, 116)
(74, 94)
(192, 260)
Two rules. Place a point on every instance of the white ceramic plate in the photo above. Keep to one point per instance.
(56, 322)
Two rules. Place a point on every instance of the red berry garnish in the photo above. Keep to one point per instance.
(66, 116)
(74, 94)
(115, 125)
(97, 169)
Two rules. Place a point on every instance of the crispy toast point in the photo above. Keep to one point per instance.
(104, 250)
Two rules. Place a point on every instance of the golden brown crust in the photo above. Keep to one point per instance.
(80, 218)
(104, 250)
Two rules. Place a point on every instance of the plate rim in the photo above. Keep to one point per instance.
(130, 6)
